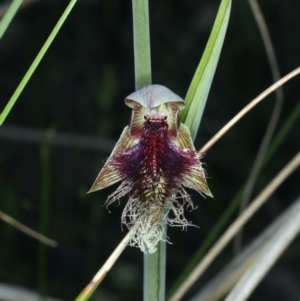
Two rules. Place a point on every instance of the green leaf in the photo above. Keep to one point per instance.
(200, 85)
(36, 62)
(10, 13)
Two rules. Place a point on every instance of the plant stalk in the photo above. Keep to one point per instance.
(141, 43)
(154, 264)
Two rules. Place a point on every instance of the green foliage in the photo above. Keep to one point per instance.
(36, 62)
(10, 13)
(81, 86)
(198, 91)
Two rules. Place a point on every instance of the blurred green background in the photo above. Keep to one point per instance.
(76, 98)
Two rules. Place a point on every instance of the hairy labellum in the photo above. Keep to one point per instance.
(154, 158)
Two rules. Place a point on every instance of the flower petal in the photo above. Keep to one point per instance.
(196, 180)
(184, 139)
(173, 119)
(109, 175)
(153, 96)
(136, 121)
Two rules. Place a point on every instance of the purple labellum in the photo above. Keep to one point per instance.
(154, 158)
(154, 166)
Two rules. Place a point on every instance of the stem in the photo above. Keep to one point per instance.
(21, 227)
(141, 42)
(97, 279)
(155, 274)
(154, 264)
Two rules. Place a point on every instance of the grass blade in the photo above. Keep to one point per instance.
(228, 277)
(36, 62)
(10, 13)
(269, 255)
(198, 91)
(235, 226)
(259, 18)
(223, 220)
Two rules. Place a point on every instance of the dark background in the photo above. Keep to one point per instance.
(79, 89)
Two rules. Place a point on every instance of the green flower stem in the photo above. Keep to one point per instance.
(141, 42)
(154, 264)
(10, 13)
(36, 62)
(155, 274)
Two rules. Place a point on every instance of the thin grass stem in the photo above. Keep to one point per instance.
(273, 119)
(246, 109)
(36, 235)
(36, 62)
(97, 279)
(235, 226)
(8, 16)
(268, 256)
(224, 281)
(233, 205)
(4, 7)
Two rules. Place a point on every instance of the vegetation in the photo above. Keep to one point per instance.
(71, 113)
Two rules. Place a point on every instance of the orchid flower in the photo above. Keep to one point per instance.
(155, 159)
